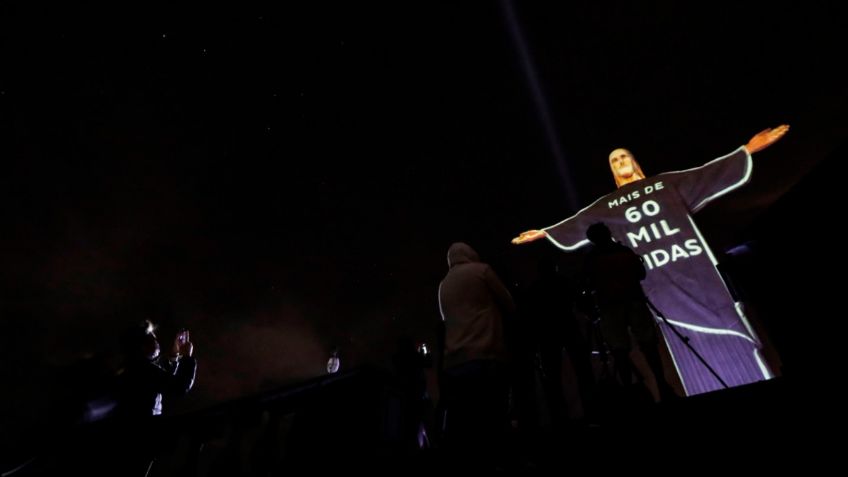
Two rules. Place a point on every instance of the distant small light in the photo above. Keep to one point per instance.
(164, 35)
(334, 363)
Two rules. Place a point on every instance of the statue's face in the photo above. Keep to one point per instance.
(622, 163)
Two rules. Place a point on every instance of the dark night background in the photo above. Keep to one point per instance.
(284, 179)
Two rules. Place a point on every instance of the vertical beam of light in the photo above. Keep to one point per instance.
(539, 101)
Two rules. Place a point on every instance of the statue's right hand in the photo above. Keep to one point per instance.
(529, 236)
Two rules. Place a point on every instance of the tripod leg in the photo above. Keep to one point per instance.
(686, 342)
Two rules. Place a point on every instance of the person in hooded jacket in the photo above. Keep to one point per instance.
(474, 304)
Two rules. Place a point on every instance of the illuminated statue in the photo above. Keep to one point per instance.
(653, 217)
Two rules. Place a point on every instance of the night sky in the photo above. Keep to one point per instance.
(285, 179)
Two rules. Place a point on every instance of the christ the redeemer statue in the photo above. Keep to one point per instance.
(653, 216)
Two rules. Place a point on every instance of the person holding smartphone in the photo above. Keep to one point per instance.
(145, 377)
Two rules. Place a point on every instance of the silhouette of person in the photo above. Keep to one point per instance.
(614, 273)
(408, 365)
(474, 303)
(550, 300)
(146, 376)
(653, 216)
(145, 379)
